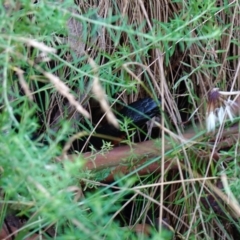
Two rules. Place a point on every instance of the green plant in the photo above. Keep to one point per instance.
(51, 58)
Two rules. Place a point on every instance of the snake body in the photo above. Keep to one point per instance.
(138, 113)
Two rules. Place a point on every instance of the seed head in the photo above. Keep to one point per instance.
(218, 108)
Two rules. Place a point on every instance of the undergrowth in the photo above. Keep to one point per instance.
(63, 66)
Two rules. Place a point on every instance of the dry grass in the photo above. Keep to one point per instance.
(182, 83)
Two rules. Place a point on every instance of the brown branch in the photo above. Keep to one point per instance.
(142, 152)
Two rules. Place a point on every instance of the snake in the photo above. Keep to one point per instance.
(138, 113)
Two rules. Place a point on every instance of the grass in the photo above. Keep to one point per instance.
(66, 69)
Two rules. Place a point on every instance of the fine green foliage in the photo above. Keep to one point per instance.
(52, 54)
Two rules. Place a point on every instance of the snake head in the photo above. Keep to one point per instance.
(141, 111)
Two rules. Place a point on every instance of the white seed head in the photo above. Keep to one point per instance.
(220, 114)
(211, 121)
(218, 109)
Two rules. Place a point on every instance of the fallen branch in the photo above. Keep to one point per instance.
(118, 158)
